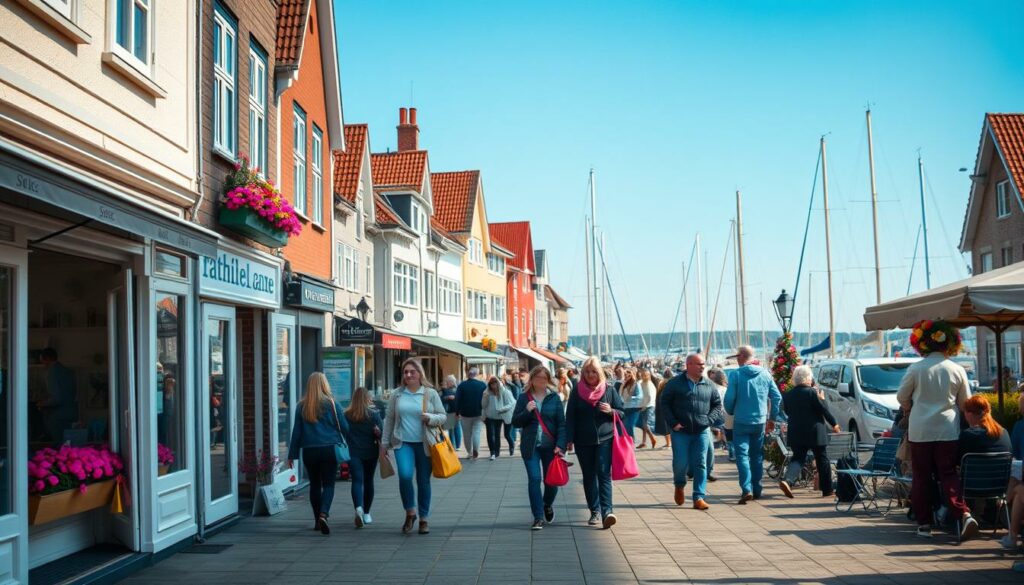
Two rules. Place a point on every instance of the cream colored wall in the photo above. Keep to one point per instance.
(477, 277)
(345, 232)
(60, 96)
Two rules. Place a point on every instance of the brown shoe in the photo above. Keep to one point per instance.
(784, 486)
(410, 520)
(424, 529)
(700, 504)
(680, 496)
(746, 497)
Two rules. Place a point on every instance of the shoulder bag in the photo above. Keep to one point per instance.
(341, 447)
(444, 461)
(623, 457)
(557, 473)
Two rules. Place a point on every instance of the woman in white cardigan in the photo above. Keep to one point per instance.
(415, 414)
(498, 404)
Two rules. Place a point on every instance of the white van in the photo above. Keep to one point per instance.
(861, 393)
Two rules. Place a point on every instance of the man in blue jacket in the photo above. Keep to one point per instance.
(750, 389)
(468, 396)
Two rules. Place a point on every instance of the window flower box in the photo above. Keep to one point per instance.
(256, 209)
(244, 221)
(70, 480)
(43, 509)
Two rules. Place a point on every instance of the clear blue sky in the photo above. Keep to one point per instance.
(678, 104)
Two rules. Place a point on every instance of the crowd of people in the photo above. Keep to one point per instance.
(685, 408)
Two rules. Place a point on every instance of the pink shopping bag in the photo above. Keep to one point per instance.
(623, 457)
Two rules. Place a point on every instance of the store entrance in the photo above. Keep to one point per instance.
(81, 413)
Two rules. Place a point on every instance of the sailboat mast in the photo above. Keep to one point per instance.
(686, 318)
(593, 259)
(828, 254)
(590, 309)
(924, 223)
(764, 339)
(874, 210)
(739, 252)
(700, 311)
(609, 335)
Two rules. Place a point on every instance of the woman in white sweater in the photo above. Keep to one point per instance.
(497, 406)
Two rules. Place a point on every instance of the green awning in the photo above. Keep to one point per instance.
(473, 355)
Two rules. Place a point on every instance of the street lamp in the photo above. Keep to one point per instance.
(362, 308)
(784, 310)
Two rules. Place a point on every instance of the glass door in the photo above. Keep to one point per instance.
(217, 404)
(283, 391)
(123, 414)
(14, 477)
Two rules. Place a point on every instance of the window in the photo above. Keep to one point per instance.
(258, 109)
(498, 309)
(1006, 256)
(369, 274)
(406, 281)
(132, 29)
(523, 322)
(986, 262)
(429, 292)
(1003, 199)
(450, 296)
(478, 304)
(318, 181)
(495, 264)
(360, 213)
(542, 323)
(476, 251)
(515, 287)
(526, 283)
(171, 379)
(225, 109)
(515, 323)
(299, 158)
(539, 293)
(348, 268)
(63, 7)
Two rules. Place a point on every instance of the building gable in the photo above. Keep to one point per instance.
(1000, 156)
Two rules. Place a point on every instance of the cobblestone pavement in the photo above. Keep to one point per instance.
(480, 535)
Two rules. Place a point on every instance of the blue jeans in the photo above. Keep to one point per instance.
(596, 467)
(690, 451)
(536, 469)
(748, 441)
(630, 421)
(455, 434)
(362, 482)
(411, 458)
(322, 469)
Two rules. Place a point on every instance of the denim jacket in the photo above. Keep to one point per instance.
(322, 433)
(750, 389)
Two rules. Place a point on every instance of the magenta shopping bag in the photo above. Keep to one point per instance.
(623, 457)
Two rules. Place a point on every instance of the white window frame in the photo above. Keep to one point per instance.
(225, 84)
(299, 175)
(429, 290)
(476, 251)
(316, 165)
(985, 266)
(127, 51)
(360, 213)
(258, 109)
(1002, 199)
(542, 323)
(515, 323)
(369, 274)
(406, 283)
(450, 297)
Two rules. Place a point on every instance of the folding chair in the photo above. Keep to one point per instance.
(840, 446)
(880, 467)
(984, 476)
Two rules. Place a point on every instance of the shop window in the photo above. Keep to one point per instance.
(169, 264)
(171, 384)
(6, 485)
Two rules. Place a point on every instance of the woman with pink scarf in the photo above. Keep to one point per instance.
(589, 428)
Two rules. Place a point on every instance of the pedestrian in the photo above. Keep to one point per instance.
(316, 431)
(588, 426)
(1015, 489)
(721, 382)
(751, 390)
(448, 399)
(660, 425)
(516, 389)
(364, 432)
(632, 399)
(414, 406)
(540, 415)
(809, 422)
(497, 403)
(691, 405)
(646, 423)
(563, 385)
(467, 409)
(933, 390)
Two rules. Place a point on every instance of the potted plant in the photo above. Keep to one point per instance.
(253, 207)
(164, 458)
(261, 469)
(489, 344)
(70, 480)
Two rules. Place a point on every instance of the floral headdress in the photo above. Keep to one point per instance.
(935, 336)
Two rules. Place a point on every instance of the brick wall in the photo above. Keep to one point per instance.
(310, 252)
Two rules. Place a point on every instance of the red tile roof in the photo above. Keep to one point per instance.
(1008, 130)
(291, 28)
(385, 215)
(440, 230)
(399, 169)
(454, 198)
(348, 162)
(515, 236)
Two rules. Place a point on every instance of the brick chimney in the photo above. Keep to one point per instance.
(408, 131)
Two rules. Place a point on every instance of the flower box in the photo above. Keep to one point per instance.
(43, 509)
(245, 221)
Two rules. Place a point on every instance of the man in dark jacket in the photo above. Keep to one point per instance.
(692, 405)
(809, 424)
(468, 397)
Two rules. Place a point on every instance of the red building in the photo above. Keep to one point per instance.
(515, 237)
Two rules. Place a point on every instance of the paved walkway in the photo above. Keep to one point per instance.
(480, 535)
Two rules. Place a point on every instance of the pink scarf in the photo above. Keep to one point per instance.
(591, 395)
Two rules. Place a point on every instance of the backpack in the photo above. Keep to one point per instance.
(846, 489)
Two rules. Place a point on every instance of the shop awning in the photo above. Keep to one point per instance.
(25, 173)
(571, 357)
(551, 355)
(471, 354)
(531, 354)
(573, 350)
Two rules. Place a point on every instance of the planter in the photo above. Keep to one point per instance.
(43, 509)
(163, 469)
(244, 221)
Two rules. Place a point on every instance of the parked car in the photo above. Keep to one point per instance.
(861, 393)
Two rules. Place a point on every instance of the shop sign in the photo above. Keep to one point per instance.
(236, 278)
(355, 331)
(309, 295)
(395, 341)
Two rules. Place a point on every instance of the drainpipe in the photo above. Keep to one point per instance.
(197, 320)
(200, 188)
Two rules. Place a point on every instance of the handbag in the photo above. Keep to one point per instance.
(341, 453)
(444, 461)
(623, 457)
(387, 466)
(557, 473)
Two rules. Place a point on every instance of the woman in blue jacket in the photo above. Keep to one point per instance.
(317, 429)
(541, 443)
(364, 431)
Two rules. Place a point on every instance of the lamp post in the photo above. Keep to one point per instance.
(362, 308)
(784, 306)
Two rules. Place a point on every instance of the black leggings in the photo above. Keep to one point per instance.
(322, 467)
(494, 433)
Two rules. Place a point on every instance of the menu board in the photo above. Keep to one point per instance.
(337, 366)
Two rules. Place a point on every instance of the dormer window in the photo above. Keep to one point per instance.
(417, 219)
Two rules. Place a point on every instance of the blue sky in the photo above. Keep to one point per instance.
(678, 104)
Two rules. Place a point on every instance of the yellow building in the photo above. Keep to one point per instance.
(459, 206)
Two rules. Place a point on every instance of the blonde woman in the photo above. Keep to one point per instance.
(497, 404)
(414, 411)
(364, 431)
(563, 385)
(316, 431)
(633, 398)
(646, 421)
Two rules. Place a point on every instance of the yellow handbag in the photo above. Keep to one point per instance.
(444, 461)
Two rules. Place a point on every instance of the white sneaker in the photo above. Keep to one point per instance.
(359, 517)
(1009, 541)
(367, 519)
(493, 457)
(970, 528)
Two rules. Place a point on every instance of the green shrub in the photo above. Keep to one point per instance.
(1010, 413)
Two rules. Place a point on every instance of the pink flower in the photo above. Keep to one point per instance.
(82, 488)
(39, 485)
(52, 480)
